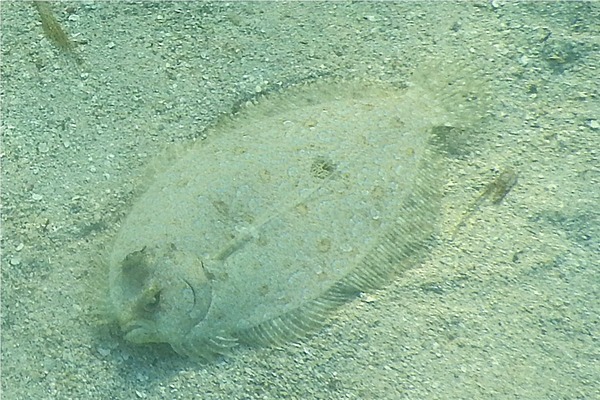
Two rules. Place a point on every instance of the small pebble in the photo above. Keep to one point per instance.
(43, 147)
(103, 352)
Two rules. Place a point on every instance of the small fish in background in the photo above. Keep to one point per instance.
(494, 193)
(54, 31)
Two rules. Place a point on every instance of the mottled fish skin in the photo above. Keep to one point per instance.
(288, 210)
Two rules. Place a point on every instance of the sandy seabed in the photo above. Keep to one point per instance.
(506, 306)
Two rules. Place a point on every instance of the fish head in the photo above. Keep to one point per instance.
(159, 293)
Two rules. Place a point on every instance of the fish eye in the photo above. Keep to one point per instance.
(153, 302)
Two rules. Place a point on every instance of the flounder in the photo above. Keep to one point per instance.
(290, 208)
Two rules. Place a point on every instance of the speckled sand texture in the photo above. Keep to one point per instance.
(505, 306)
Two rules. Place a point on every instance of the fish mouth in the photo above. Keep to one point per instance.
(139, 332)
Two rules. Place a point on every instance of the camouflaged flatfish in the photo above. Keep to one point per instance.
(286, 211)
